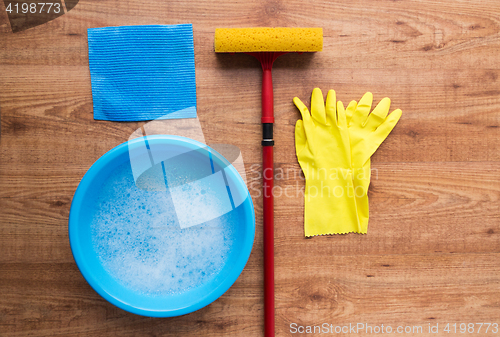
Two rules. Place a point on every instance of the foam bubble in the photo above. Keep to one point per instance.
(138, 239)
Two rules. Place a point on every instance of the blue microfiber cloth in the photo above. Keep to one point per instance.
(142, 72)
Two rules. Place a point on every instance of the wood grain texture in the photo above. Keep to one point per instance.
(432, 252)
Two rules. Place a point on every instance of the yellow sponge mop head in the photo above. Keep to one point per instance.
(237, 40)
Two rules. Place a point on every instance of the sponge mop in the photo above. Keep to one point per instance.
(267, 44)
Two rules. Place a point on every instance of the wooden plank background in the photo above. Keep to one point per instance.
(433, 247)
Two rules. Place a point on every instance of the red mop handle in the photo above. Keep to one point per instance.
(268, 203)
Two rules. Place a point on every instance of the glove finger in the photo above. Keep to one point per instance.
(318, 106)
(362, 109)
(386, 127)
(350, 110)
(331, 110)
(341, 116)
(379, 114)
(306, 116)
(300, 137)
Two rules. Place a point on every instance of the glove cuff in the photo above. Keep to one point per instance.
(330, 205)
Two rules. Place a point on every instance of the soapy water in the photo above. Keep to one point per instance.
(139, 242)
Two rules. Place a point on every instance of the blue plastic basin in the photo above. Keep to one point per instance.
(83, 208)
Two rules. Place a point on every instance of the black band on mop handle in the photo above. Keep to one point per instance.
(267, 134)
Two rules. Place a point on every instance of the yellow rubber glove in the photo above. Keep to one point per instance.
(324, 153)
(366, 133)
